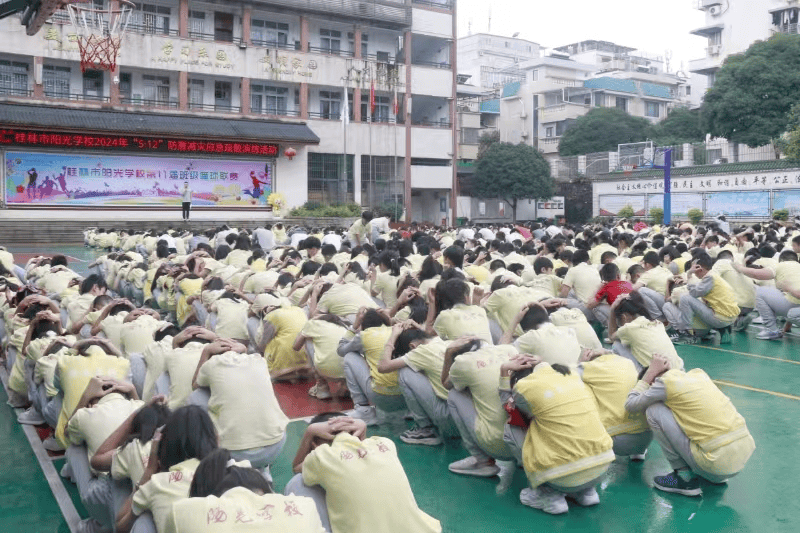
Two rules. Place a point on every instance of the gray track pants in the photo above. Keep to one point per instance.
(316, 493)
(359, 383)
(692, 308)
(772, 303)
(462, 411)
(654, 302)
(426, 408)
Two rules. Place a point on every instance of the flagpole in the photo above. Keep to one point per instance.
(345, 118)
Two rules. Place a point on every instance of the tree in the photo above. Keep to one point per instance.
(486, 140)
(601, 130)
(789, 143)
(754, 92)
(512, 172)
(682, 125)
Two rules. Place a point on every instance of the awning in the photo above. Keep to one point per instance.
(149, 123)
(708, 31)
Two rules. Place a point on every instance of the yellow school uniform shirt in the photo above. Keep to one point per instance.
(260, 281)
(163, 490)
(610, 378)
(130, 461)
(554, 344)
(504, 304)
(181, 364)
(325, 337)
(428, 358)
(231, 319)
(597, 252)
(788, 272)
(78, 307)
(575, 319)
(721, 298)
(478, 371)
(463, 320)
(374, 341)
(137, 335)
(624, 264)
(549, 284)
(646, 338)
(111, 326)
(656, 279)
(366, 488)
(720, 441)
(344, 299)
(75, 371)
(744, 290)
(93, 425)
(238, 258)
(242, 404)
(155, 359)
(386, 287)
(566, 435)
(480, 273)
(584, 280)
(281, 357)
(240, 510)
(188, 287)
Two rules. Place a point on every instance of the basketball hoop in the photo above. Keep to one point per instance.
(100, 31)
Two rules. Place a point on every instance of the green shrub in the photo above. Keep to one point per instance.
(392, 210)
(657, 215)
(695, 215)
(314, 209)
(780, 214)
(626, 212)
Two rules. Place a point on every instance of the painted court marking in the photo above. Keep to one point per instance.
(750, 355)
(753, 389)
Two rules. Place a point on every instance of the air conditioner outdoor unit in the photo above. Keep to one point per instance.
(715, 50)
(524, 134)
(715, 11)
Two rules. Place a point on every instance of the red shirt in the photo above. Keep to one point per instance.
(612, 290)
(639, 226)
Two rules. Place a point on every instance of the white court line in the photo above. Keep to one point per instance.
(53, 478)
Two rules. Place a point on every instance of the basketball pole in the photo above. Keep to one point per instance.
(667, 168)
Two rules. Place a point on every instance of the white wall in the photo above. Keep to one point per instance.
(431, 81)
(431, 22)
(434, 143)
(427, 177)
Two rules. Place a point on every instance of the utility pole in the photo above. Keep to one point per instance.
(667, 168)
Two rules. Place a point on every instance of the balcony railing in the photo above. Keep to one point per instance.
(218, 108)
(128, 100)
(562, 107)
(277, 112)
(788, 29)
(11, 91)
(77, 96)
(432, 124)
(330, 51)
(324, 116)
(386, 11)
(273, 44)
(147, 29)
(435, 64)
(442, 4)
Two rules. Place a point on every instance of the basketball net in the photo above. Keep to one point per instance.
(100, 32)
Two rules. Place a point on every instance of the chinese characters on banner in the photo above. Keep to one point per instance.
(747, 182)
(103, 180)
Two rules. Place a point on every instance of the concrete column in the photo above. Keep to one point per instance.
(304, 34)
(183, 90)
(245, 97)
(407, 113)
(356, 105)
(357, 43)
(247, 16)
(453, 108)
(114, 96)
(183, 19)
(304, 100)
(38, 83)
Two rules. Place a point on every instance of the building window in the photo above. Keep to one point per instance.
(56, 81)
(197, 24)
(269, 33)
(381, 180)
(125, 86)
(156, 88)
(268, 100)
(223, 95)
(652, 109)
(93, 85)
(330, 41)
(351, 39)
(13, 77)
(196, 92)
(150, 18)
(622, 103)
(327, 178)
(535, 74)
(548, 131)
(688, 90)
(381, 113)
(223, 27)
(330, 104)
(470, 136)
(599, 99)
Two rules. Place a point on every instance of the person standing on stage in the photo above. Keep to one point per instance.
(186, 199)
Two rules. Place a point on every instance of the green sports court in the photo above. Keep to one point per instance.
(762, 379)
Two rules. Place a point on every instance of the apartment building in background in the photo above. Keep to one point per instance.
(290, 70)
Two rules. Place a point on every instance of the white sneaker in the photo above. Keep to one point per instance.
(313, 390)
(471, 467)
(366, 413)
(31, 417)
(546, 499)
(586, 498)
(638, 457)
(506, 475)
(323, 392)
(52, 445)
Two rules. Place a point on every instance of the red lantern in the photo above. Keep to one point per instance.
(290, 153)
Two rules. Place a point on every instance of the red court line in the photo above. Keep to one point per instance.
(296, 403)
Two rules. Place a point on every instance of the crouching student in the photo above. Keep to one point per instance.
(470, 374)
(553, 344)
(610, 378)
(699, 430)
(418, 359)
(357, 483)
(566, 450)
(224, 493)
(370, 389)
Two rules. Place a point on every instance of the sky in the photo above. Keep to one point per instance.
(652, 26)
